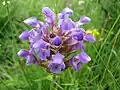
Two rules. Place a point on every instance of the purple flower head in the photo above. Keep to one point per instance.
(50, 16)
(85, 19)
(83, 57)
(57, 63)
(24, 35)
(57, 41)
(42, 48)
(52, 43)
(89, 37)
(23, 53)
(75, 63)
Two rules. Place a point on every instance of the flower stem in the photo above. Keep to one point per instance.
(66, 3)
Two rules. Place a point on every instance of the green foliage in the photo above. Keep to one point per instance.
(102, 73)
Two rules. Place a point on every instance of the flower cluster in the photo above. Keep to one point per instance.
(51, 43)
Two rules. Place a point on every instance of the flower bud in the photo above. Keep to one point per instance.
(83, 57)
(57, 41)
(32, 21)
(85, 19)
(24, 35)
(23, 53)
(89, 37)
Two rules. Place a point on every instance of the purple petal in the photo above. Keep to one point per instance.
(42, 48)
(79, 46)
(83, 57)
(30, 59)
(40, 44)
(49, 20)
(55, 68)
(47, 12)
(61, 16)
(78, 36)
(89, 37)
(57, 41)
(77, 66)
(32, 21)
(57, 64)
(23, 53)
(24, 35)
(50, 16)
(66, 24)
(43, 54)
(68, 11)
(58, 58)
(36, 34)
(75, 63)
(85, 19)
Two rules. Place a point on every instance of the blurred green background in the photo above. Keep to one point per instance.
(102, 73)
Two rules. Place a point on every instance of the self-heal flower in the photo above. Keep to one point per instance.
(57, 41)
(52, 44)
(57, 63)
(24, 35)
(42, 48)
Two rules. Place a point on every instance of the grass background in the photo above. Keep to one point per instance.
(102, 73)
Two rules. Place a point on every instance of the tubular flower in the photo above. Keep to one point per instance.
(52, 43)
(57, 63)
(49, 14)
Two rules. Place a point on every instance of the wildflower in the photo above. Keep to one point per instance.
(51, 43)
